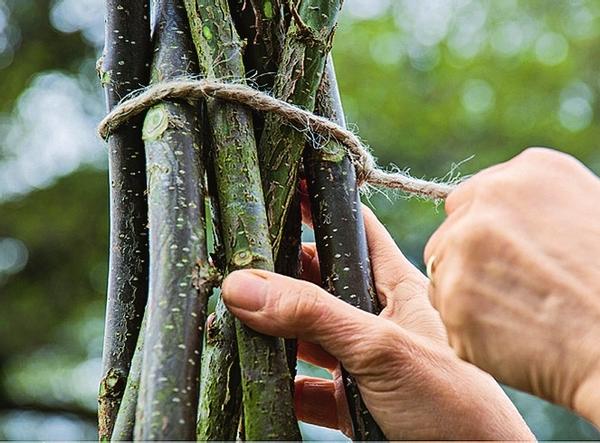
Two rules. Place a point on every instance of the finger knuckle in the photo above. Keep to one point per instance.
(538, 153)
(471, 238)
(305, 305)
(495, 188)
(547, 157)
(457, 197)
(456, 303)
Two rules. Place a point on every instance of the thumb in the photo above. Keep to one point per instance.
(285, 307)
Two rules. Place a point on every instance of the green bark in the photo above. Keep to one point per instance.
(305, 50)
(125, 422)
(220, 384)
(219, 408)
(264, 25)
(180, 276)
(340, 235)
(267, 400)
(123, 69)
(221, 391)
(301, 55)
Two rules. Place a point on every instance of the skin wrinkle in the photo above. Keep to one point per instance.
(397, 368)
(494, 318)
(402, 374)
(525, 308)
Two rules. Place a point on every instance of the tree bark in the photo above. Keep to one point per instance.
(305, 50)
(220, 385)
(340, 234)
(221, 391)
(180, 275)
(268, 412)
(123, 69)
(263, 23)
(125, 422)
(302, 59)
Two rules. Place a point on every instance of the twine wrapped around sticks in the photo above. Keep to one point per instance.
(367, 170)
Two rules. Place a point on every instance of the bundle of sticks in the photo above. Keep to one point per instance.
(201, 188)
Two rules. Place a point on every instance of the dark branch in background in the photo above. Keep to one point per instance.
(262, 24)
(267, 398)
(340, 234)
(181, 278)
(123, 69)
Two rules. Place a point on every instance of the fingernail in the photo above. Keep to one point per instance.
(245, 290)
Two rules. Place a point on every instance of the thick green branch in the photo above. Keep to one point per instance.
(301, 60)
(180, 277)
(264, 27)
(220, 386)
(123, 69)
(307, 44)
(267, 400)
(340, 235)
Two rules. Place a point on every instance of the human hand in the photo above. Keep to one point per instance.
(413, 384)
(516, 276)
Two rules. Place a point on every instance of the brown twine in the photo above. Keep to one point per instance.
(367, 170)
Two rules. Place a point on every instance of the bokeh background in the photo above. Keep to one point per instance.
(437, 86)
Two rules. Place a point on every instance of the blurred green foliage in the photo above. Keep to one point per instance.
(428, 84)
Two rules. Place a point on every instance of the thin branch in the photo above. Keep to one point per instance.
(125, 422)
(264, 26)
(221, 389)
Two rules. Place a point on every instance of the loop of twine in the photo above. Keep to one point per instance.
(367, 170)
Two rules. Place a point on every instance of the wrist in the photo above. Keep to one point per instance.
(586, 397)
(481, 409)
(586, 401)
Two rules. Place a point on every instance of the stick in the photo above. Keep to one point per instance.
(123, 69)
(220, 385)
(267, 400)
(305, 50)
(264, 24)
(340, 234)
(180, 279)
(125, 422)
